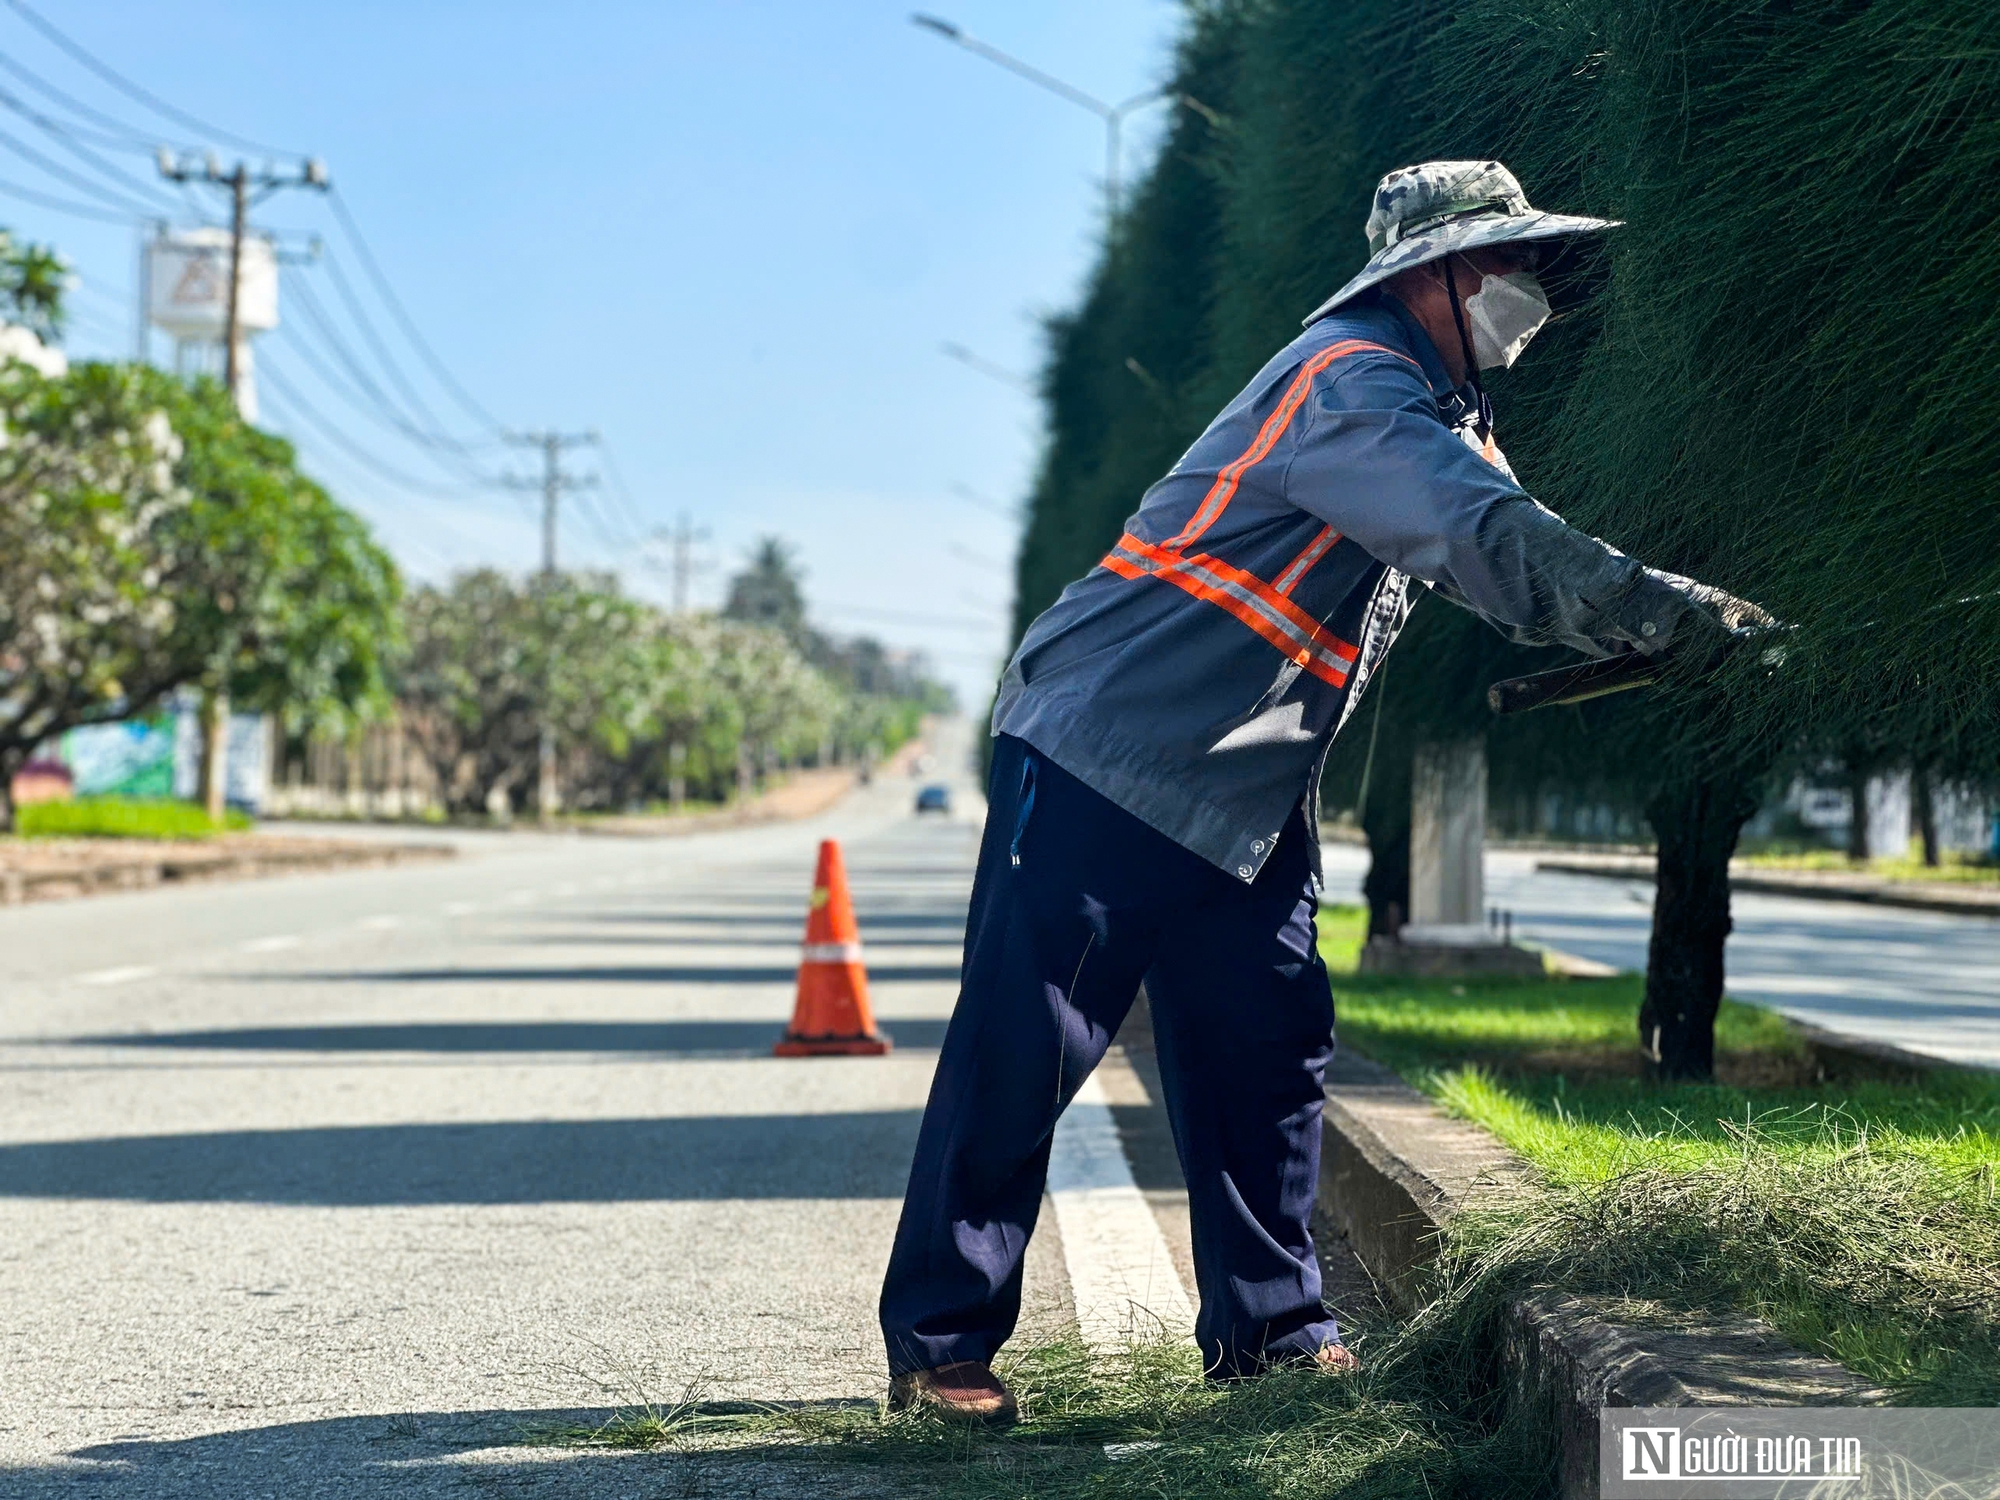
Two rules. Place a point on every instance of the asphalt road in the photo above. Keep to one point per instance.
(1928, 981)
(345, 1184)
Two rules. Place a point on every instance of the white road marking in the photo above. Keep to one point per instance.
(567, 888)
(381, 923)
(460, 908)
(277, 944)
(117, 976)
(1120, 1271)
(519, 898)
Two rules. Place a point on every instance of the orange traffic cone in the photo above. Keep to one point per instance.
(832, 1014)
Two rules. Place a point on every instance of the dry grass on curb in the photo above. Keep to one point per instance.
(1891, 1264)
(1144, 1422)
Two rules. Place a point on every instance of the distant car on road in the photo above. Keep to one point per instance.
(934, 798)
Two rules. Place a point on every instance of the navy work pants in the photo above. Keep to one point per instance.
(1074, 903)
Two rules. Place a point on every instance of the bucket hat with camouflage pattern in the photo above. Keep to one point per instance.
(1439, 208)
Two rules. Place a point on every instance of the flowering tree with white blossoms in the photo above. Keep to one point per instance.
(151, 540)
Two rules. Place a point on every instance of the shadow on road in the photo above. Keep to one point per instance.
(704, 1157)
(423, 1454)
(637, 974)
(870, 939)
(791, 922)
(670, 1038)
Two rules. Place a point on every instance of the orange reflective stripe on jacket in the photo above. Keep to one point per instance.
(1220, 493)
(1266, 608)
(1273, 616)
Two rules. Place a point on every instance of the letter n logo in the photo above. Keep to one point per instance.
(1651, 1453)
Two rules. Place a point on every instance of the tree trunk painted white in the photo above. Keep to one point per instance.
(1448, 835)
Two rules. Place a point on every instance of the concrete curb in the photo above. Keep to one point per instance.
(1838, 1055)
(20, 886)
(1395, 1170)
(1964, 901)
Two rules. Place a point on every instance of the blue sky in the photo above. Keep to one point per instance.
(733, 237)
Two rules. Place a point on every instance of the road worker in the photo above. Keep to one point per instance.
(1160, 734)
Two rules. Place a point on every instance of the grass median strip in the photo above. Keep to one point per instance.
(1859, 1217)
(125, 818)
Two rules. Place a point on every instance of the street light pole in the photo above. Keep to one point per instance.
(1113, 115)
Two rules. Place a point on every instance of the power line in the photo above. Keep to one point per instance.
(65, 206)
(338, 385)
(620, 490)
(56, 169)
(300, 406)
(133, 91)
(375, 342)
(67, 139)
(125, 137)
(373, 401)
(395, 305)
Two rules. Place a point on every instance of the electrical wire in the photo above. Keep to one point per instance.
(133, 91)
(588, 507)
(336, 383)
(395, 305)
(65, 206)
(119, 135)
(376, 342)
(63, 137)
(620, 489)
(300, 406)
(56, 169)
(384, 409)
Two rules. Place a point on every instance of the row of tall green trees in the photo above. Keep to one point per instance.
(1776, 387)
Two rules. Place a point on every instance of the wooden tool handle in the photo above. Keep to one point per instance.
(1591, 679)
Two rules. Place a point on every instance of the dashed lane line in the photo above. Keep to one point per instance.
(275, 944)
(124, 974)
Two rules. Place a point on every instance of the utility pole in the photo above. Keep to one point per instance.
(246, 190)
(553, 482)
(241, 183)
(682, 568)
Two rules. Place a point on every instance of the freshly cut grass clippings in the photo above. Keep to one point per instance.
(122, 818)
(1421, 1420)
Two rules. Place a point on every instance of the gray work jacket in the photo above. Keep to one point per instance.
(1197, 675)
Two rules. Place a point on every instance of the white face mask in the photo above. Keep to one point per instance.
(1505, 313)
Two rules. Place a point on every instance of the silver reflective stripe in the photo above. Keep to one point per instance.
(1288, 580)
(830, 953)
(1237, 591)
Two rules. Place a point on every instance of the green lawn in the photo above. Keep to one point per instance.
(1860, 1217)
(119, 817)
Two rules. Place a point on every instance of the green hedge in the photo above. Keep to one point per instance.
(1778, 387)
(118, 817)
